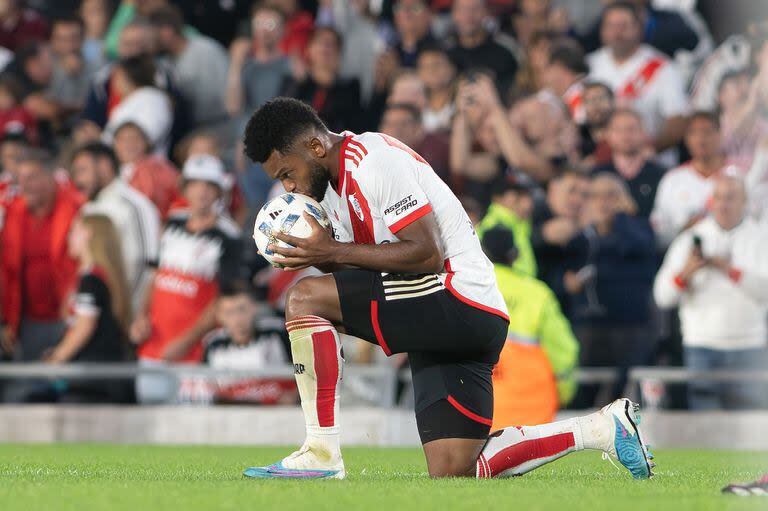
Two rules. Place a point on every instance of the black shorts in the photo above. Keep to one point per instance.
(452, 346)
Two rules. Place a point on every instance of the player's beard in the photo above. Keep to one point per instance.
(319, 177)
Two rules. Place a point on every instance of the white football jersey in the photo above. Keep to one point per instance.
(384, 186)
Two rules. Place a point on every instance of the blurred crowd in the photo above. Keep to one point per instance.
(613, 156)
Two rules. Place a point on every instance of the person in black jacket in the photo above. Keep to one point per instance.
(609, 278)
(335, 99)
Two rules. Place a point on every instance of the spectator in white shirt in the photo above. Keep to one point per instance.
(681, 199)
(95, 172)
(641, 77)
(717, 273)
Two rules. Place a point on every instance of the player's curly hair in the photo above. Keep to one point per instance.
(276, 125)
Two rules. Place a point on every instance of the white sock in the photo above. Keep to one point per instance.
(517, 450)
(318, 366)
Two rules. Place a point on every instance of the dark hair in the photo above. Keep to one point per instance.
(37, 156)
(12, 86)
(276, 125)
(29, 51)
(504, 184)
(705, 115)
(167, 16)
(336, 34)
(626, 111)
(569, 54)
(14, 137)
(433, 47)
(622, 5)
(593, 84)
(98, 150)
(499, 245)
(235, 288)
(265, 6)
(139, 69)
(71, 19)
(407, 107)
(131, 124)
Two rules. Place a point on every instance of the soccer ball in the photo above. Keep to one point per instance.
(285, 213)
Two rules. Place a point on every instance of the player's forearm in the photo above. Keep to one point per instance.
(400, 257)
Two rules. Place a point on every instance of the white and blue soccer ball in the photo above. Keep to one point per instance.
(285, 213)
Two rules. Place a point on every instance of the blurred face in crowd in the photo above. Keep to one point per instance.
(598, 105)
(287, 7)
(468, 16)
(94, 15)
(267, 28)
(486, 135)
(604, 199)
(401, 124)
(538, 54)
(90, 174)
(130, 144)
(236, 315)
(203, 144)
(566, 195)
(519, 202)
(621, 32)
(733, 92)
(40, 67)
(9, 7)
(412, 18)
(66, 38)
(535, 8)
(729, 201)
(702, 138)
(36, 185)
(408, 89)
(7, 99)
(201, 195)
(626, 135)
(10, 152)
(323, 50)
(77, 241)
(435, 70)
(145, 7)
(135, 40)
(557, 77)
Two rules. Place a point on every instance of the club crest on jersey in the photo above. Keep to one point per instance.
(356, 207)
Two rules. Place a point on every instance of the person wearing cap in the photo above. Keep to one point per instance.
(511, 208)
(200, 250)
(535, 373)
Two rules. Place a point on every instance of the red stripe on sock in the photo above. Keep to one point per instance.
(327, 374)
(515, 455)
(468, 413)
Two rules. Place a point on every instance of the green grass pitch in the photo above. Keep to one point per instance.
(148, 478)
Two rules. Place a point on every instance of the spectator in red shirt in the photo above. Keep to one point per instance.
(37, 271)
(19, 26)
(14, 118)
(299, 27)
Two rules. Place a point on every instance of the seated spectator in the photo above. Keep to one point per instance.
(681, 199)
(475, 48)
(413, 21)
(72, 73)
(128, 14)
(598, 102)
(37, 270)
(12, 149)
(408, 88)
(438, 75)
(533, 16)
(95, 15)
(257, 67)
(99, 314)
(200, 250)
(511, 209)
(95, 172)
(403, 121)
(717, 273)
(20, 26)
(534, 376)
(199, 65)
(630, 159)
(152, 175)
(564, 75)
(640, 76)
(530, 78)
(336, 99)
(611, 264)
(244, 341)
(14, 117)
(555, 224)
(141, 103)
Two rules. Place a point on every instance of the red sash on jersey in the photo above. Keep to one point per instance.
(632, 89)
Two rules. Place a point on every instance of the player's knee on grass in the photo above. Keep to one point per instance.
(315, 296)
(452, 457)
